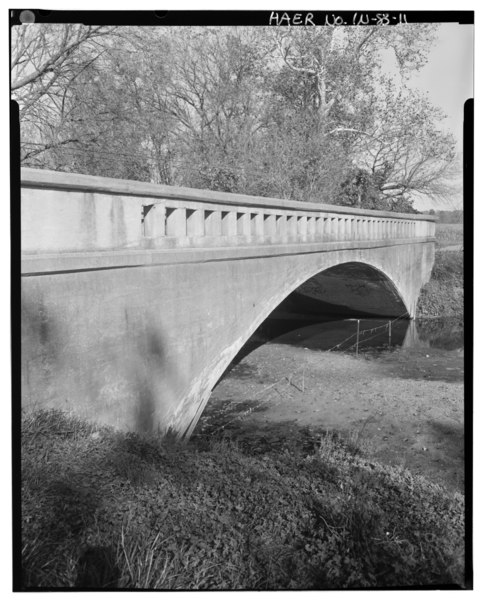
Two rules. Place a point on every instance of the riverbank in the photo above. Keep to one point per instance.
(405, 407)
(443, 295)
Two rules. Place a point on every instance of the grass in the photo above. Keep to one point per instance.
(443, 294)
(449, 234)
(103, 509)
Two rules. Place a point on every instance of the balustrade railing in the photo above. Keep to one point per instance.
(79, 212)
(188, 223)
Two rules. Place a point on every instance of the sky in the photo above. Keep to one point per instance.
(447, 78)
(448, 75)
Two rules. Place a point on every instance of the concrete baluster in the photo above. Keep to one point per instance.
(154, 220)
(243, 223)
(269, 226)
(340, 229)
(345, 230)
(281, 227)
(292, 227)
(212, 223)
(256, 224)
(319, 228)
(175, 222)
(228, 223)
(253, 225)
(302, 228)
(311, 228)
(195, 223)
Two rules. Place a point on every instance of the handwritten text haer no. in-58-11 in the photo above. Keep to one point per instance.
(286, 19)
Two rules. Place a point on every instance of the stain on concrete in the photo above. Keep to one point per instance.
(88, 220)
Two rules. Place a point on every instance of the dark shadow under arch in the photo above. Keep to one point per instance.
(347, 290)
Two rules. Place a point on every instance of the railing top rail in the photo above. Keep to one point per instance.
(39, 178)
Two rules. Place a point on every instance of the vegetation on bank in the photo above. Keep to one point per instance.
(449, 234)
(443, 295)
(106, 509)
(447, 216)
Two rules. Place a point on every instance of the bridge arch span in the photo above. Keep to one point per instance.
(397, 309)
(375, 268)
(136, 297)
(368, 273)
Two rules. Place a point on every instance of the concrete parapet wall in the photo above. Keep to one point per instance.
(63, 212)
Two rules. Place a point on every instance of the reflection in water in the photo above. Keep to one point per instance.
(444, 333)
(411, 338)
(374, 334)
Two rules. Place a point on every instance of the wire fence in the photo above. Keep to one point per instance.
(358, 334)
(288, 380)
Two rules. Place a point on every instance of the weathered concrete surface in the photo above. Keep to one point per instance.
(142, 347)
(138, 338)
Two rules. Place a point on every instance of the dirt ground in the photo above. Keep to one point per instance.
(403, 408)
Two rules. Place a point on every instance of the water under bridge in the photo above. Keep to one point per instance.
(136, 297)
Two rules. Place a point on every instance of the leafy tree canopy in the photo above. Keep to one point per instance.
(300, 113)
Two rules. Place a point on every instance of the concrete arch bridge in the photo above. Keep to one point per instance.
(136, 297)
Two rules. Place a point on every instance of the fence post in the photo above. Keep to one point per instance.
(357, 338)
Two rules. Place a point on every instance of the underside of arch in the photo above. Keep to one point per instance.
(348, 289)
(351, 289)
(343, 290)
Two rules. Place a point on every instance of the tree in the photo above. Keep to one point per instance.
(215, 95)
(113, 114)
(404, 149)
(46, 60)
(342, 65)
(300, 113)
(387, 133)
